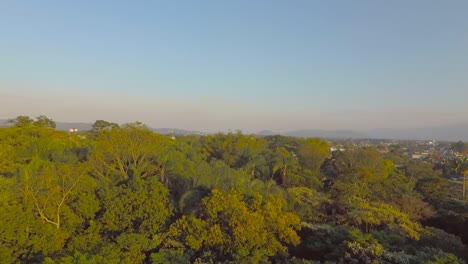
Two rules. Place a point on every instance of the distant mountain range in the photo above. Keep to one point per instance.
(453, 132)
(326, 133)
(315, 133)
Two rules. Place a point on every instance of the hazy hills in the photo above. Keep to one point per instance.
(325, 133)
(452, 132)
(316, 133)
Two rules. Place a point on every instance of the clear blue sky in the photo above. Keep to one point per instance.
(251, 65)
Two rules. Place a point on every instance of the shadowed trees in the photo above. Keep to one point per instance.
(41, 121)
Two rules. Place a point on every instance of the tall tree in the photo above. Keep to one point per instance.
(44, 121)
(312, 153)
(102, 124)
(122, 153)
(41, 121)
(21, 121)
(49, 188)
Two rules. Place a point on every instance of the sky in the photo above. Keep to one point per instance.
(227, 65)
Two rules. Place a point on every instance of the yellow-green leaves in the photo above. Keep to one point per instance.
(374, 214)
(312, 152)
(122, 153)
(236, 229)
(307, 203)
(139, 206)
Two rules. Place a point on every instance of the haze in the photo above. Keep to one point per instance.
(250, 65)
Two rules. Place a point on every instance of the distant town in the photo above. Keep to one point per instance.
(438, 154)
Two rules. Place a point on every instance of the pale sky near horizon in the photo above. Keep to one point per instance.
(250, 65)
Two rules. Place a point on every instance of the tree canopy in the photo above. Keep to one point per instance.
(124, 194)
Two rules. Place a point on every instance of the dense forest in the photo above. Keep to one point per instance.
(124, 194)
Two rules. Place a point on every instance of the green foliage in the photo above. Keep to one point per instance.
(372, 215)
(232, 229)
(24, 121)
(78, 257)
(414, 206)
(359, 253)
(102, 124)
(238, 151)
(170, 256)
(190, 200)
(322, 242)
(44, 121)
(419, 170)
(137, 206)
(437, 238)
(312, 153)
(364, 174)
(433, 189)
(128, 152)
(127, 195)
(309, 204)
(436, 256)
(45, 203)
(21, 121)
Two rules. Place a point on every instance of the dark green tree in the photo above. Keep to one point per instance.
(44, 121)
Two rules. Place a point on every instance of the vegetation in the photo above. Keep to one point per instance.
(123, 194)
